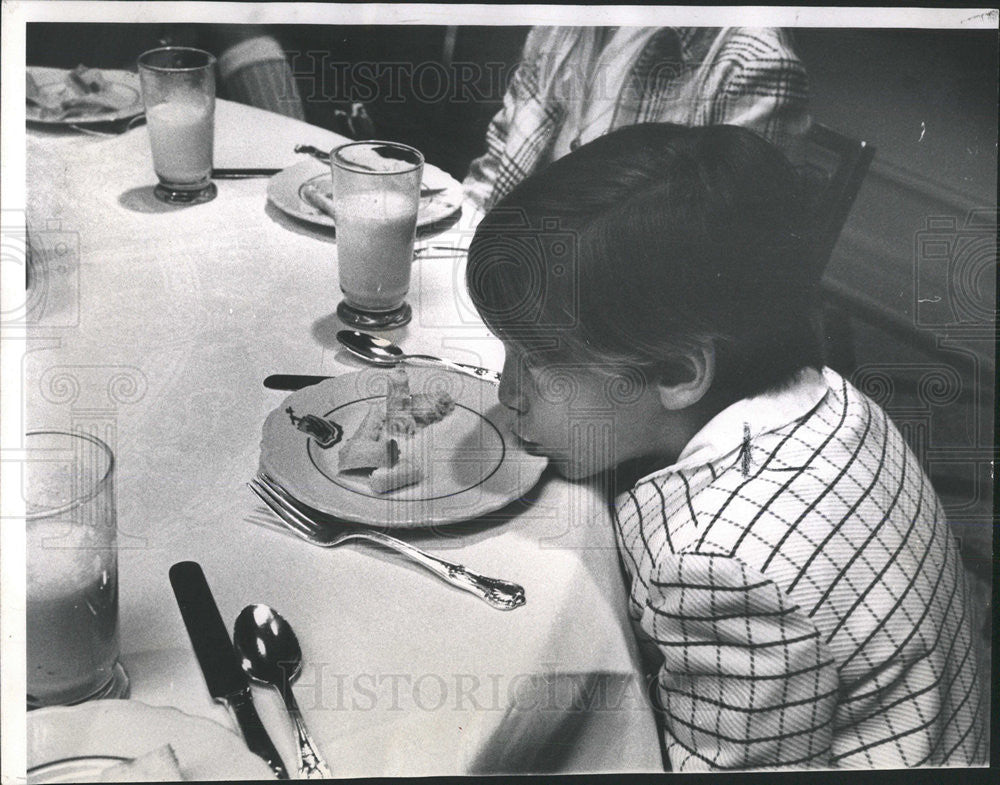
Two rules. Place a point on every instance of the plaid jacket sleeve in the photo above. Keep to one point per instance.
(518, 135)
(757, 82)
(746, 681)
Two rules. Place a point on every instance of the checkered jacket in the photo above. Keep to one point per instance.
(754, 80)
(801, 590)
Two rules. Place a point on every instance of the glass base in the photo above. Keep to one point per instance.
(118, 686)
(171, 196)
(374, 320)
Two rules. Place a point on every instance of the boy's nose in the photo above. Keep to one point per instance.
(509, 391)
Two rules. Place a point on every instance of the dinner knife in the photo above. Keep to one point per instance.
(296, 381)
(226, 680)
(242, 174)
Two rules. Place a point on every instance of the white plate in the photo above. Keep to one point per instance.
(473, 463)
(124, 87)
(77, 743)
(285, 192)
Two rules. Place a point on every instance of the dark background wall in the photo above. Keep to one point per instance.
(917, 258)
(413, 92)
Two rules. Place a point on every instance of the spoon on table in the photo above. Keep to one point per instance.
(382, 352)
(270, 653)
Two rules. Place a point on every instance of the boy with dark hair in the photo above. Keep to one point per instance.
(791, 568)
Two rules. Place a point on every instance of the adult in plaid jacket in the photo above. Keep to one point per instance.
(794, 575)
(573, 86)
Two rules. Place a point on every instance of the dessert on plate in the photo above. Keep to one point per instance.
(84, 91)
(374, 446)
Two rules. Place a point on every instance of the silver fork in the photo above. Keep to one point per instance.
(501, 594)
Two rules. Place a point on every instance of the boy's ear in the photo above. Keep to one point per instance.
(691, 377)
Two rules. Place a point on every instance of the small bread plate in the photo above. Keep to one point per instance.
(123, 92)
(472, 462)
(78, 743)
(285, 191)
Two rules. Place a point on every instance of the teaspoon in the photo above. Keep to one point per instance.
(270, 653)
(382, 352)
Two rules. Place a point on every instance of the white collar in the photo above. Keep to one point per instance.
(729, 429)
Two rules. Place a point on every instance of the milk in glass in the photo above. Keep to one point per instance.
(181, 136)
(71, 612)
(375, 232)
(178, 91)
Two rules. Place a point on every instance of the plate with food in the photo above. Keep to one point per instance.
(305, 191)
(129, 741)
(398, 448)
(83, 95)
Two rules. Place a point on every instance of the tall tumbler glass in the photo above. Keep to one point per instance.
(178, 89)
(376, 194)
(72, 571)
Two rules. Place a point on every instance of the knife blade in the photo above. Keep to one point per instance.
(292, 381)
(219, 663)
(242, 174)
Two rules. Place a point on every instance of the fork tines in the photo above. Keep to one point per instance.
(282, 507)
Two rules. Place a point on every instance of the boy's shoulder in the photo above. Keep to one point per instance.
(820, 484)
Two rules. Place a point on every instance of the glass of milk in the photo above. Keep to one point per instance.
(71, 612)
(178, 90)
(376, 194)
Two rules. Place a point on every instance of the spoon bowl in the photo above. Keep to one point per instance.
(267, 645)
(371, 347)
(379, 351)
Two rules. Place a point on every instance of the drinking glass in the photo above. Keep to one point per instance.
(376, 193)
(178, 90)
(72, 571)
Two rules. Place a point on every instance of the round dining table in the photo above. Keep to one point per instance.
(153, 326)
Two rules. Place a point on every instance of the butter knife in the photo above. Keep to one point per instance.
(242, 173)
(226, 680)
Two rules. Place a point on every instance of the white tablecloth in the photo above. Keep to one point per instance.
(154, 327)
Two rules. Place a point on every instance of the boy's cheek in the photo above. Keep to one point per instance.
(578, 465)
(575, 449)
(567, 469)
